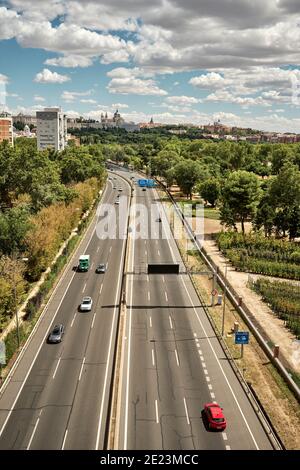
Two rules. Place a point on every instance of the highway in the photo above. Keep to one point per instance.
(57, 397)
(173, 362)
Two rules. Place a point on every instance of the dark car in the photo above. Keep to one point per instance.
(101, 268)
(159, 219)
(56, 334)
(215, 417)
(144, 189)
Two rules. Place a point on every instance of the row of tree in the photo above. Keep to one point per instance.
(42, 197)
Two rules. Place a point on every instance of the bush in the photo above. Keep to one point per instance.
(256, 254)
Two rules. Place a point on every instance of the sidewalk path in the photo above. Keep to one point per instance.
(267, 320)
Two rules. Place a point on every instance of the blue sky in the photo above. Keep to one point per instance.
(179, 61)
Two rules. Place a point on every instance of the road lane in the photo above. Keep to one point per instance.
(57, 396)
(178, 392)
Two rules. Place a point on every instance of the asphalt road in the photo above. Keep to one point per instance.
(57, 397)
(173, 362)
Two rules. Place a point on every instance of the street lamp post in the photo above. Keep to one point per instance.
(15, 258)
(224, 302)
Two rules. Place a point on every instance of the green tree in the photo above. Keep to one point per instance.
(210, 191)
(186, 174)
(240, 197)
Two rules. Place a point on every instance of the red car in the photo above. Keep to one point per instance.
(215, 416)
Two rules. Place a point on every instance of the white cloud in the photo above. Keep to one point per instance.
(182, 100)
(126, 81)
(119, 105)
(70, 96)
(38, 98)
(3, 79)
(209, 80)
(71, 61)
(46, 76)
(88, 101)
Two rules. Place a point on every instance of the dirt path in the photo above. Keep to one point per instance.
(277, 332)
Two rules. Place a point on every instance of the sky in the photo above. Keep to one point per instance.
(178, 61)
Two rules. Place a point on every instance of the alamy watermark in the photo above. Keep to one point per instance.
(295, 79)
(159, 221)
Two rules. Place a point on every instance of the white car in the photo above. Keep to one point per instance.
(120, 189)
(86, 304)
(117, 201)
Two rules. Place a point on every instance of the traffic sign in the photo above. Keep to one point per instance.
(242, 337)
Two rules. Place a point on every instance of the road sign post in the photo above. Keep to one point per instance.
(242, 337)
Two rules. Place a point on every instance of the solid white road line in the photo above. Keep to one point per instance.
(170, 321)
(46, 334)
(81, 369)
(150, 320)
(156, 412)
(33, 433)
(176, 355)
(64, 441)
(110, 348)
(84, 288)
(53, 376)
(93, 320)
(220, 365)
(153, 360)
(101, 287)
(166, 295)
(73, 319)
(186, 411)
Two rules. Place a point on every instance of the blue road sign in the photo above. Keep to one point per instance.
(242, 337)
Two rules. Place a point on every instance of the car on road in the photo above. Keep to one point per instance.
(117, 201)
(114, 187)
(56, 334)
(120, 189)
(86, 304)
(144, 189)
(215, 417)
(101, 268)
(159, 219)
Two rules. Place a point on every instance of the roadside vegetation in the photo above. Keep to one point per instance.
(43, 195)
(283, 298)
(256, 254)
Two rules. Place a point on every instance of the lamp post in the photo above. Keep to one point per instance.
(15, 259)
(224, 302)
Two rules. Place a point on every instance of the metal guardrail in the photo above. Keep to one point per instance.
(243, 311)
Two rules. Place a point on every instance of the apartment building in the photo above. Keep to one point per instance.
(6, 128)
(51, 129)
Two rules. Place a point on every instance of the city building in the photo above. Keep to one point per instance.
(105, 123)
(51, 129)
(24, 119)
(6, 128)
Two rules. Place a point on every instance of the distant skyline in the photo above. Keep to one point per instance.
(178, 61)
